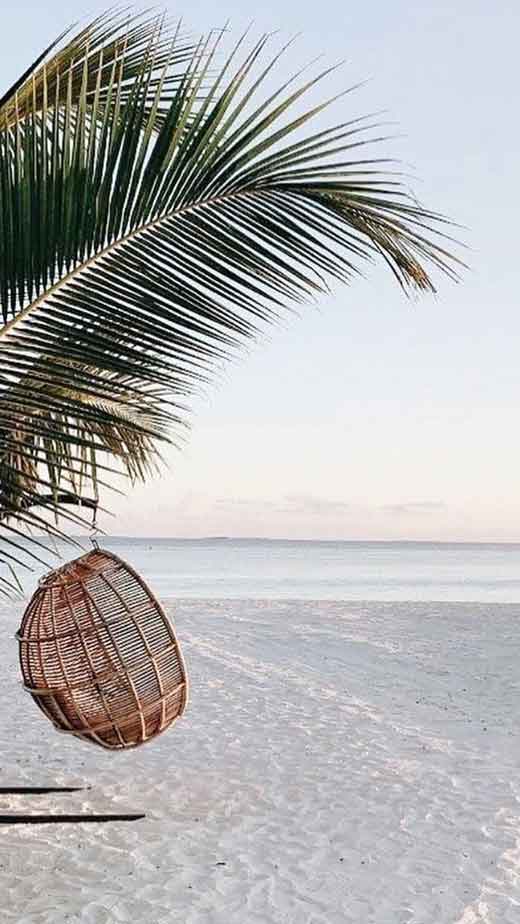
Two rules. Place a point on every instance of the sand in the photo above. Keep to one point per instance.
(339, 762)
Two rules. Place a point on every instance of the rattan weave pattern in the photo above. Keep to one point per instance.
(99, 656)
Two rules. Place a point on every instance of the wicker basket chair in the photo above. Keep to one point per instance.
(99, 656)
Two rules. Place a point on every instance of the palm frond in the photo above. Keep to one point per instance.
(113, 42)
(146, 234)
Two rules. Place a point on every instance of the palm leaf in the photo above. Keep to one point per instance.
(112, 41)
(146, 234)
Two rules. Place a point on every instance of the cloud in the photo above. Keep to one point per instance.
(324, 508)
(232, 504)
(315, 506)
(413, 508)
(299, 504)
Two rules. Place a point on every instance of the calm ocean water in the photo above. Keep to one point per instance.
(257, 568)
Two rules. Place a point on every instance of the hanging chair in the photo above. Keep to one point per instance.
(99, 656)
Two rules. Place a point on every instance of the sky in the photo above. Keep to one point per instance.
(368, 416)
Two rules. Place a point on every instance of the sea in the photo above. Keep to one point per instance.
(226, 568)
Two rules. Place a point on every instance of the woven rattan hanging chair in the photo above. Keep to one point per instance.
(99, 655)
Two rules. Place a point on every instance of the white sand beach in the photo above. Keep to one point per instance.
(339, 763)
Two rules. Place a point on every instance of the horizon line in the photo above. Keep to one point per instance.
(100, 537)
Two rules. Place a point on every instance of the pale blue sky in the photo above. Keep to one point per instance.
(371, 417)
